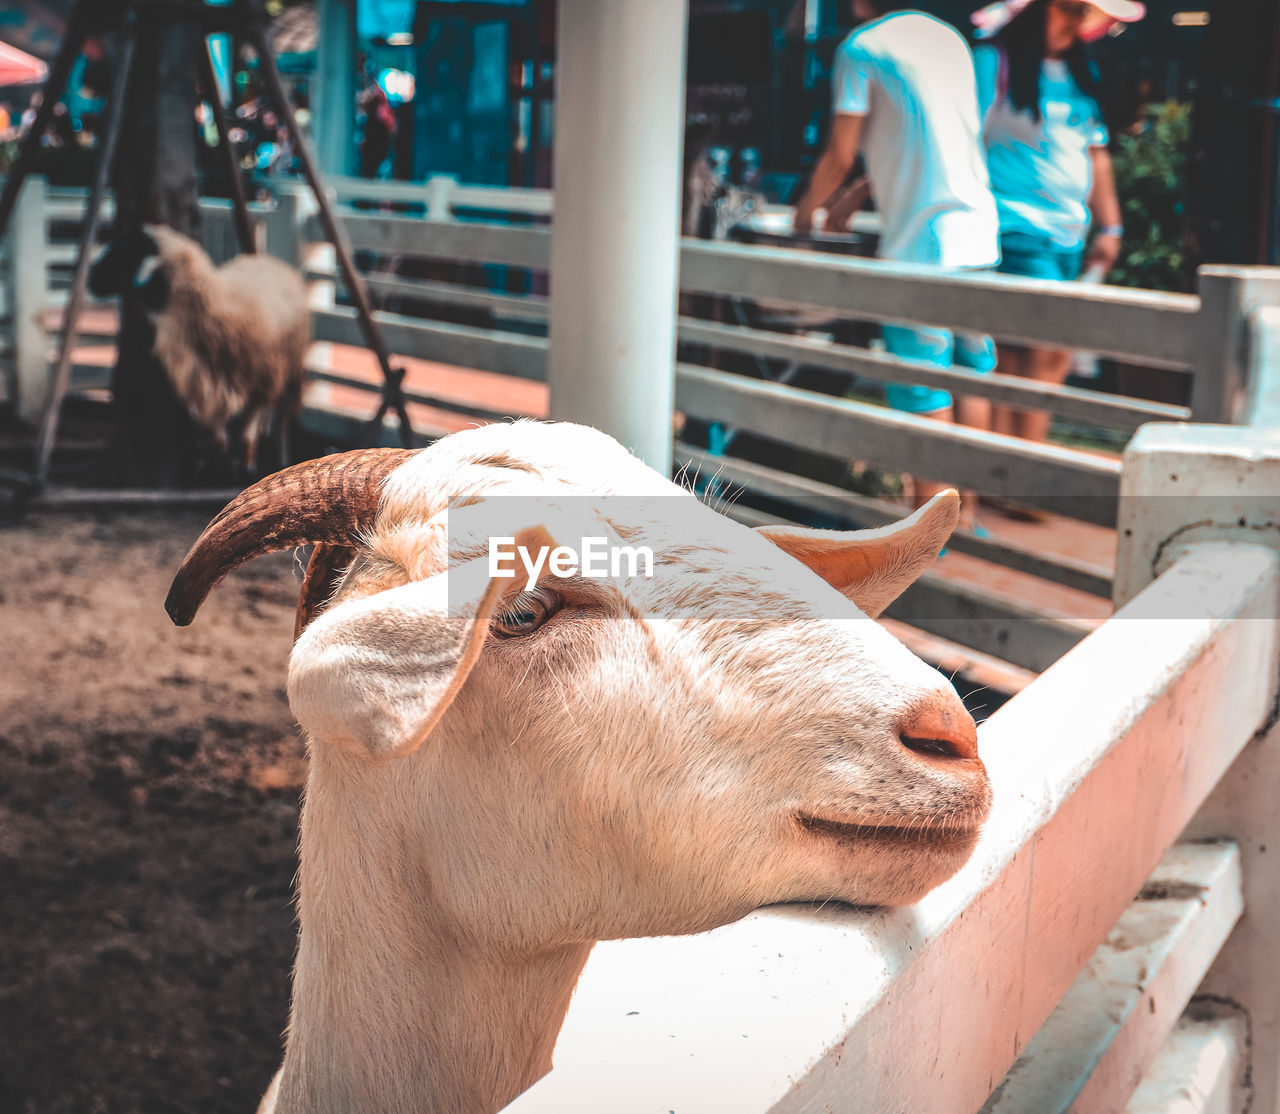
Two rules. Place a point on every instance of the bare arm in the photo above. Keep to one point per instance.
(842, 208)
(1104, 205)
(832, 169)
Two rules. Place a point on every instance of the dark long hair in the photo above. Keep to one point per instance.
(1022, 41)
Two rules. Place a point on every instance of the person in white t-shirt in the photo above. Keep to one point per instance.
(904, 91)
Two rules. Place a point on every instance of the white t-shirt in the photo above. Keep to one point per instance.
(912, 77)
(1042, 173)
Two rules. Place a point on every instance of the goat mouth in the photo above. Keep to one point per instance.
(944, 833)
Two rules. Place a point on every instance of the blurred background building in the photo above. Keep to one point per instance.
(411, 88)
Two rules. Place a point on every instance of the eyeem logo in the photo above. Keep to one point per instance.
(597, 559)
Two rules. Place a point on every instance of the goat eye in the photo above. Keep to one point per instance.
(526, 613)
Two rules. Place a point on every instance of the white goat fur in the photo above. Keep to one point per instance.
(639, 765)
(232, 339)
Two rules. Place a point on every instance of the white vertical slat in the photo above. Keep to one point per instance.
(29, 268)
(1102, 1038)
(1228, 295)
(439, 196)
(1203, 1067)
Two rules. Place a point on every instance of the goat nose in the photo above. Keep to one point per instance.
(940, 726)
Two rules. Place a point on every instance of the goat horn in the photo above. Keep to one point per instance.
(331, 499)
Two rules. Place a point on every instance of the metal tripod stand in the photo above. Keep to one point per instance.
(122, 18)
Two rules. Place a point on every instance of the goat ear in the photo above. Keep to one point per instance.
(375, 675)
(151, 284)
(873, 567)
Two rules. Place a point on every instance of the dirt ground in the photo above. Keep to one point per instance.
(149, 787)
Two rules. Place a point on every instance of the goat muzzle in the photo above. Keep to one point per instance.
(330, 500)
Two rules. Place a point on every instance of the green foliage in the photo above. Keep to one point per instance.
(1150, 164)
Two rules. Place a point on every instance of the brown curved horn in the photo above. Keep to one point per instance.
(328, 560)
(331, 499)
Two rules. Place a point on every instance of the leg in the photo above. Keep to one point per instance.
(975, 353)
(283, 424)
(1046, 365)
(1036, 257)
(1012, 361)
(920, 490)
(933, 346)
(973, 412)
(249, 437)
(285, 413)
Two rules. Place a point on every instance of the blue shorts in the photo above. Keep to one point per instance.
(940, 347)
(1038, 257)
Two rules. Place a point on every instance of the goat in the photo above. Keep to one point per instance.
(500, 777)
(232, 339)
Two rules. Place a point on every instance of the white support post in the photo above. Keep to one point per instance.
(29, 273)
(284, 223)
(286, 239)
(1263, 365)
(334, 97)
(1184, 484)
(218, 232)
(615, 237)
(440, 189)
(1228, 295)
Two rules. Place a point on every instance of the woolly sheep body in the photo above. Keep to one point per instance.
(232, 339)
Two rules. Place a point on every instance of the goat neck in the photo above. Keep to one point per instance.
(391, 1010)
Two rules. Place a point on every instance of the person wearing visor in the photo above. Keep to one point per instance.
(1046, 145)
(903, 90)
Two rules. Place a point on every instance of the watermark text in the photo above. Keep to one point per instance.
(597, 559)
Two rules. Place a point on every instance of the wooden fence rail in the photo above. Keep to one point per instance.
(1178, 332)
(927, 1009)
(1080, 484)
(1155, 329)
(1068, 402)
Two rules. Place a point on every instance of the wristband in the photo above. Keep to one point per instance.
(1110, 230)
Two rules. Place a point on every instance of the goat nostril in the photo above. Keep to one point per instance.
(940, 727)
(941, 748)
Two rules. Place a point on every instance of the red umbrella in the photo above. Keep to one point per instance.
(20, 68)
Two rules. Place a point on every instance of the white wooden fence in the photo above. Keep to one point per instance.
(1114, 944)
(1197, 336)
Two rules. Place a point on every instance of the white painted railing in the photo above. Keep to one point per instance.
(1196, 336)
(441, 197)
(1145, 762)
